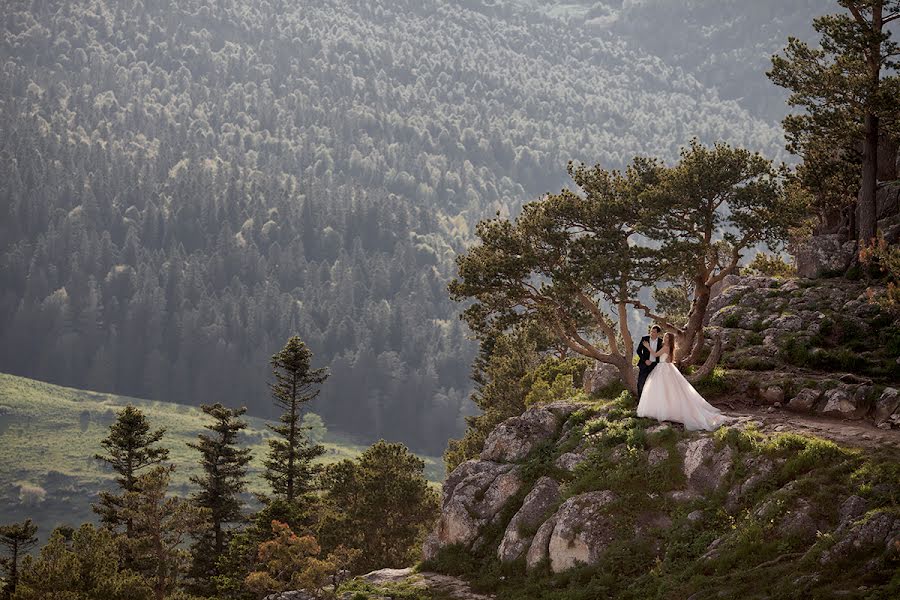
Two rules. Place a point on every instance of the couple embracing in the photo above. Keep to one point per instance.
(663, 391)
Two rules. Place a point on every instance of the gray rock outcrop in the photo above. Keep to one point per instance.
(517, 539)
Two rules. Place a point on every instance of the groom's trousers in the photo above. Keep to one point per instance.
(643, 372)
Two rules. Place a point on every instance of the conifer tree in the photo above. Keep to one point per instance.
(289, 467)
(84, 563)
(388, 520)
(223, 480)
(847, 97)
(17, 538)
(162, 525)
(130, 448)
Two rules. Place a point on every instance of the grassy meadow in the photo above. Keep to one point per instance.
(49, 435)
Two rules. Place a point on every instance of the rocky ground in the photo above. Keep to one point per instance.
(815, 347)
(581, 488)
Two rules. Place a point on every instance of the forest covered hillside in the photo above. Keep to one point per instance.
(185, 184)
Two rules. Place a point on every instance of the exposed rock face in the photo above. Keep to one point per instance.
(705, 467)
(879, 533)
(474, 493)
(569, 461)
(805, 400)
(516, 437)
(887, 200)
(887, 407)
(759, 469)
(839, 402)
(582, 531)
(537, 503)
(599, 376)
(824, 254)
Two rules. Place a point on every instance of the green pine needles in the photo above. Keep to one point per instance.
(289, 465)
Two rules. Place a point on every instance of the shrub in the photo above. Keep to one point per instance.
(769, 265)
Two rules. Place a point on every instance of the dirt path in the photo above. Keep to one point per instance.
(859, 434)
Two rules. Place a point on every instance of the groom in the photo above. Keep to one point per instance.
(646, 363)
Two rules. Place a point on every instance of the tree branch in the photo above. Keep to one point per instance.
(648, 312)
(600, 318)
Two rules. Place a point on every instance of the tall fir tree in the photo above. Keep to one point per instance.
(223, 480)
(130, 448)
(849, 95)
(289, 465)
(17, 538)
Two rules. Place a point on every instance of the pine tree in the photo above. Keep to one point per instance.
(223, 480)
(17, 538)
(289, 467)
(130, 448)
(162, 526)
(80, 564)
(846, 95)
(389, 520)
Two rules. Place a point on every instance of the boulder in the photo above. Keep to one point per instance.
(788, 323)
(569, 461)
(705, 468)
(798, 522)
(599, 376)
(842, 403)
(474, 494)
(657, 456)
(887, 405)
(293, 595)
(851, 509)
(516, 437)
(583, 531)
(759, 469)
(683, 496)
(772, 394)
(516, 540)
(823, 254)
(805, 400)
(538, 550)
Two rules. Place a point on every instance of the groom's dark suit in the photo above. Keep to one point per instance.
(643, 355)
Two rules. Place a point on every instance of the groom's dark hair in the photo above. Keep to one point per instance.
(657, 328)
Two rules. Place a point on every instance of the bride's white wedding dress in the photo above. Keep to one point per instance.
(668, 396)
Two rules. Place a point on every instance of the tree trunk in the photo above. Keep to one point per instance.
(686, 350)
(13, 572)
(866, 213)
(626, 371)
(292, 441)
(711, 361)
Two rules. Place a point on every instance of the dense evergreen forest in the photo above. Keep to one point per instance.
(184, 185)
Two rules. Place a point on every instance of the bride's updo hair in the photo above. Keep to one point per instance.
(669, 343)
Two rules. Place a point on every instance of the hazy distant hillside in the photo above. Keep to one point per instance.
(725, 44)
(49, 435)
(186, 184)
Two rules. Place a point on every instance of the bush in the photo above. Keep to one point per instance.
(769, 265)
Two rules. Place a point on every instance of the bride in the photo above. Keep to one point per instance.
(668, 396)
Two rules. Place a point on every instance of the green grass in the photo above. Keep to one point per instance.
(49, 435)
